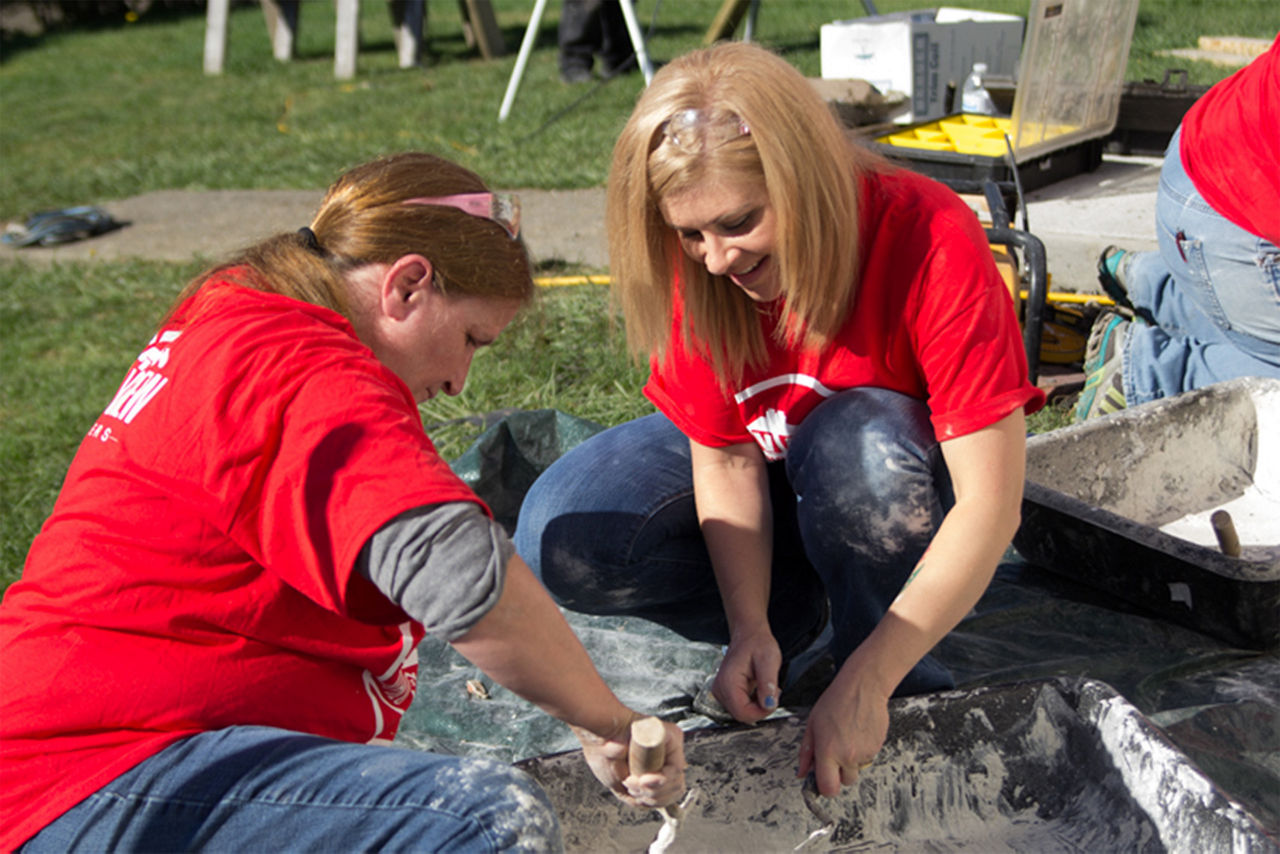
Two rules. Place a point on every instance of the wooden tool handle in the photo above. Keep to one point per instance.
(648, 745)
(1225, 530)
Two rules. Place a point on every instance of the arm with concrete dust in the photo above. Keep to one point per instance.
(731, 489)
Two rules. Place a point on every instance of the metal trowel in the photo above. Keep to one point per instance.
(813, 800)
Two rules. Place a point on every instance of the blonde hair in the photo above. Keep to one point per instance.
(363, 219)
(809, 167)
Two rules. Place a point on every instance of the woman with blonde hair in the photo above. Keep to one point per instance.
(842, 389)
(215, 635)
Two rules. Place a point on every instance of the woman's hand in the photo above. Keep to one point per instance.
(747, 682)
(607, 759)
(846, 729)
(731, 489)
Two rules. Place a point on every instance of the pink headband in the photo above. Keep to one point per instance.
(502, 208)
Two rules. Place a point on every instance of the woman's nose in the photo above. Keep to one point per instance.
(453, 385)
(716, 255)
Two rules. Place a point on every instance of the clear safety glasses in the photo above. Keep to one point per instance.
(698, 130)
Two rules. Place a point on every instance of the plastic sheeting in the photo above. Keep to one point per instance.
(505, 460)
(1218, 704)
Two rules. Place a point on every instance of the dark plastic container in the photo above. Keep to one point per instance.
(1065, 100)
(1150, 112)
(1124, 503)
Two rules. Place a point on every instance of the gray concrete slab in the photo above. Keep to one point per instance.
(178, 225)
(1078, 217)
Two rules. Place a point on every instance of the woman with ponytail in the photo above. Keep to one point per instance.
(214, 637)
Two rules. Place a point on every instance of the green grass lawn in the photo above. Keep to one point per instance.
(100, 113)
(109, 111)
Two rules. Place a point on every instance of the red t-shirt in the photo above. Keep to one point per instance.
(931, 319)
(1231, 146)
(197, 569)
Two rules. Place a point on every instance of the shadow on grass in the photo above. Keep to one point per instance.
(26, 26)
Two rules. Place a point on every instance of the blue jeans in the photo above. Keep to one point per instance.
(611, 528)
(1213, 290)
(265, 789)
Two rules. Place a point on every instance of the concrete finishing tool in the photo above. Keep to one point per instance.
(646, 755)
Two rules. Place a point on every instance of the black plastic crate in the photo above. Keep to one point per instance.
(1150, 112)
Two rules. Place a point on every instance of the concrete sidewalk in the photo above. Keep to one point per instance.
(177, 225)
(1074, 218)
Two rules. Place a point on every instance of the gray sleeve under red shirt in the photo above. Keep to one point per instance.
(443, 564)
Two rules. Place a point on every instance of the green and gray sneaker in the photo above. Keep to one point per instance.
(1103, 391)
(1113, 269)
(1113, 275)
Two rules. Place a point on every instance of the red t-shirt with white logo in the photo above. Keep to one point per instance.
(931, 319)
(197, 569)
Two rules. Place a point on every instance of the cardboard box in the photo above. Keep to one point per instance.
(921, 53)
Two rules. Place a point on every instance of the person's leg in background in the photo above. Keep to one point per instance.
(1210, 296)
(588, 28)
(1217, 308)
(264, 789)
(617, 54)
(871, 489)
(579, 39)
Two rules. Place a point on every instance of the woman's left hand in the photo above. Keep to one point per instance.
(845, 730)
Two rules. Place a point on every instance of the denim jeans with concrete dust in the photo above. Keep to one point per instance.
(265, 789)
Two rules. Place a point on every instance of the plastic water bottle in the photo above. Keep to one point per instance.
(974, 97)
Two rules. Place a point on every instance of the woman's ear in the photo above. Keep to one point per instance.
(406, 284)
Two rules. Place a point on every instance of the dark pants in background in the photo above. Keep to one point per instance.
(589, 28)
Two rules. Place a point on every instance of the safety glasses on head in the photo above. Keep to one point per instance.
(502, 208)
(696, 131)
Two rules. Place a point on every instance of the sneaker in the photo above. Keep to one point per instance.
(1113, 267)
(1103, 391)
(1113, 275)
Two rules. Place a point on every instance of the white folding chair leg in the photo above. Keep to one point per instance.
(531, 34)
